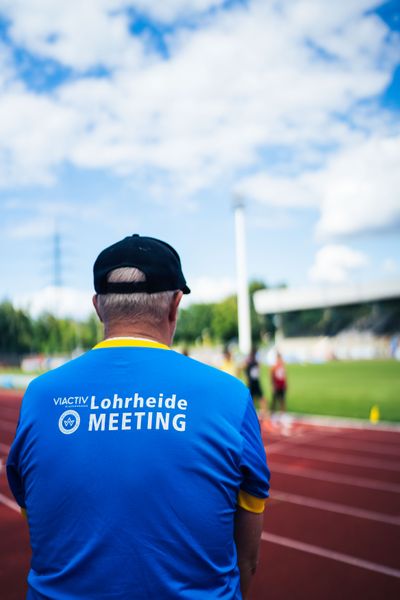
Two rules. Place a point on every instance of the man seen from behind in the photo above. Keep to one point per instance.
(142, 471)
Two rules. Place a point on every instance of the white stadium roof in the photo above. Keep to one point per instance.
(286, 300)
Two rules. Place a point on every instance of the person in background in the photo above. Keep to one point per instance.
(279, 384)
(142, 471)
(252, 372)
(228, 364)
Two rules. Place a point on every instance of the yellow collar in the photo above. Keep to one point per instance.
(123, 342)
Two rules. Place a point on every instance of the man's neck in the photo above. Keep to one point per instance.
(121, 330)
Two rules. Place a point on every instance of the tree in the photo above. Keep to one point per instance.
(219, 321)
(52, 335)
(16, 329)
(194, 323)
(90, 332)
(224, 324)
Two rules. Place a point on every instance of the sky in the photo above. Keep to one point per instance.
(121, 117)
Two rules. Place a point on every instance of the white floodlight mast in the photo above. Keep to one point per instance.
(242, 283)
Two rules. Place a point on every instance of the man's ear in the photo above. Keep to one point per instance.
(95, 301)
(173, 309)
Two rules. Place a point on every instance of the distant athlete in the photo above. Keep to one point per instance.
(142, 471)
(279, 384)
(252, 371)
(228, 364)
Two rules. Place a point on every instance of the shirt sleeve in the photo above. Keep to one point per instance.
(16, 484)
(253, 464)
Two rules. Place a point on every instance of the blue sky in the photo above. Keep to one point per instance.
(119, 117)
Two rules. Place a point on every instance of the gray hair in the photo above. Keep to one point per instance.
(133, 307)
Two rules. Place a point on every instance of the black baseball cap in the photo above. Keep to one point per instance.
(158, 260)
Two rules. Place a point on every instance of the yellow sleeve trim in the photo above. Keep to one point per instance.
(23, 513)
(251, 503)
(121, 342)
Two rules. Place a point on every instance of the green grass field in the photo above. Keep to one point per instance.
(345, 389)
(341, 388)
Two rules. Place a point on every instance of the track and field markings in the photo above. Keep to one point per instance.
(8, 426)
(369, 439)
(391, 450)
(370, 484)
(345, 424)
(335, 507)
(284, 443)
(11, 411)
(330, 554)
(4, 448)
(340, 460)
(10, 503)
(9, 422)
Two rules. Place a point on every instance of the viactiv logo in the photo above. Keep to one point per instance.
(69, 422)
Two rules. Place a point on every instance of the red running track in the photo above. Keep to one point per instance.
(331, 527)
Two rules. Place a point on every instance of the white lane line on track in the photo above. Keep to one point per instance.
(346, 424)
(370, 484)
(335, 507)
(273, 447)
(10, 503)
(352, 447)
(339, 459)
(370, 439)
(330, 554)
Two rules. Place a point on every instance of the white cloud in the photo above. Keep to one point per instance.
(278, 191)
(37, 227)
(174, 9)
(24, 220)
(334, 264)
(245, 80)
(359, 189)
(272, 221)
(61, 302)
(209, 289)
(356, 191)
(389, 265)
(7, 72)
(35, 136)
(78, 34)
(228, 89)
(93, 33)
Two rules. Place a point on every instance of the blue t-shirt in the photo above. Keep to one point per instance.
(131, 461)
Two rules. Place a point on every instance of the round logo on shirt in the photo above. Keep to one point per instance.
(69, 422)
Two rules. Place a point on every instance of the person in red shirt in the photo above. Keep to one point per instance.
(279, 384)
